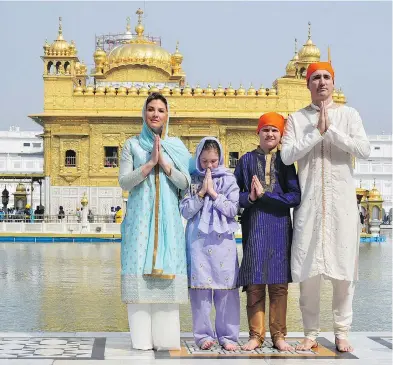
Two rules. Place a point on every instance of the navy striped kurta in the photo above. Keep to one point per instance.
(266, 224)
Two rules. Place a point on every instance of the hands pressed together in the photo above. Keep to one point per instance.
(323, 122)
(157, 157)
(208, 186)
(256, 189)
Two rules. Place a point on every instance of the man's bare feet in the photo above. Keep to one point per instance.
(306, 345)
(343, 345)
(230, 346)
(207, 345)
(252, 344)
(282, 345)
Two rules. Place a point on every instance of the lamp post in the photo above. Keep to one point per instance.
(85, 223)
(5, 197)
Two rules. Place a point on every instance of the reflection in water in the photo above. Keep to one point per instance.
(76, 287)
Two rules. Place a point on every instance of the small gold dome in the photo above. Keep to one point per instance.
(143, 91)
(309, 52)
(78, 90)
(111, 90)
(209, 91)
(154, 89)
(262, 91)
(100, 90)
(241, 91)
(198, 90)
(60, 47)
(122, 90)
(176, 91)
(90, 90)
(230, 90)
(187, 91)
(251, 91)
(99, 55)
(272, 91)
(219, 90)
(132, 90)
(20, 188)
(374, 195)
(166, 91)
(177, 56)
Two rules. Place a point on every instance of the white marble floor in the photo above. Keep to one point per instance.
(107, 348)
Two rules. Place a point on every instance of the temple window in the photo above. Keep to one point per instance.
(111, 157)
(233, 159)
(70, 158)
(58, 67)
(49, 67)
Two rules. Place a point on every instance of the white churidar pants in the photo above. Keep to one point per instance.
(310, 292)
(154, 326)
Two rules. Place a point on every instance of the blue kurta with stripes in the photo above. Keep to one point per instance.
(266, 224)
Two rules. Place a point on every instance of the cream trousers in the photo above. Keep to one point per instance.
(154, 326)
(310, 292)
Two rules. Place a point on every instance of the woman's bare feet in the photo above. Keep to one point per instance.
(230, 346)
(343, 345)
(207, 345)
(252, 344)
(282, 345)
(306, 345)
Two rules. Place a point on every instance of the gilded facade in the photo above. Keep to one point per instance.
(88, 117)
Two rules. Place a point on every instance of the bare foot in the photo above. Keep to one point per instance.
(306, 345)
(230, 346)
(343, 345)
(282, 345)
(252, 344)
(207, 345)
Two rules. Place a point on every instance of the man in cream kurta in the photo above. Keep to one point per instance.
(323, 138)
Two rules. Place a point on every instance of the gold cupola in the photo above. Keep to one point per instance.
(310, 52)
(292, 64)
(140, 50)
(60, 47)
(374, 195)
(177, 59)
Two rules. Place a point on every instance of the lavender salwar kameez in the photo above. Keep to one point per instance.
(212, 262)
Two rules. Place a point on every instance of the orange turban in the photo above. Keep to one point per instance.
(273, 119)
(319, 66)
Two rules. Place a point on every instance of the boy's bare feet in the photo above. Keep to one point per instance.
(306, 345)
(230, 346)
(343, 345)
(282, 345)
(252, 344)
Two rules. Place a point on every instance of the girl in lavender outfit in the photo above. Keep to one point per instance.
(210, 206)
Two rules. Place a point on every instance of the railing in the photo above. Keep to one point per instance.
(111, 162)
(71, 218)
(233, 162)
(70, 161)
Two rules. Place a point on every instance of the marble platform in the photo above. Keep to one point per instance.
(106, 348)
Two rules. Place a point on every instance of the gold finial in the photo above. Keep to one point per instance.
(309, 30)
(295, 45)
(329, 58)
(60, 37)
(374, 182)
(177, 46)
(128, 25)
(360, 183)
(139, 12)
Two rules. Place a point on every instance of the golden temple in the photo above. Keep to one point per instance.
(87, 118)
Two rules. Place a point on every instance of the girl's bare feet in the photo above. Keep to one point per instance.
(252, 344)
(230, 346)
(282, 345)
(343, 345)
(306, 345)
(207, 345)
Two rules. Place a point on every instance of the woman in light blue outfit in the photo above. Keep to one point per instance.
(154, 169)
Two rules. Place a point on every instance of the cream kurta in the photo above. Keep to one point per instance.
(326, 223)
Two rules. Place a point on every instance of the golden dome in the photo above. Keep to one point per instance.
(309, 52)
(374, 195)
(187, 90)
(209, 91)
(143, 91)
(291, 66)
(177, 56)
(166, 91)
(122, 90)
(111, 90)
(241, 91)
(272, 91)
(78, 90)
(251, 91)
(176, 91)
(230, 90)
(60, 47)
(219, 91)
(198, 90)
(20, 188)
(141, 51)
(262, 91)
(132, 90)
(90, 90)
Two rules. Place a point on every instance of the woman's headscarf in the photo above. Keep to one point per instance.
(224, 182)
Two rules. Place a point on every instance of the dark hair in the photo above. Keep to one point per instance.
(156, 96)
(211, 144)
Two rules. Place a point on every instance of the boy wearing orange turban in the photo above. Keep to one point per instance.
(268, 189)
(322, 138)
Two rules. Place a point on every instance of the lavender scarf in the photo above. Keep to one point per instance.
(212, 220)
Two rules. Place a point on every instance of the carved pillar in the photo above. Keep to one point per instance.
(223, 139)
